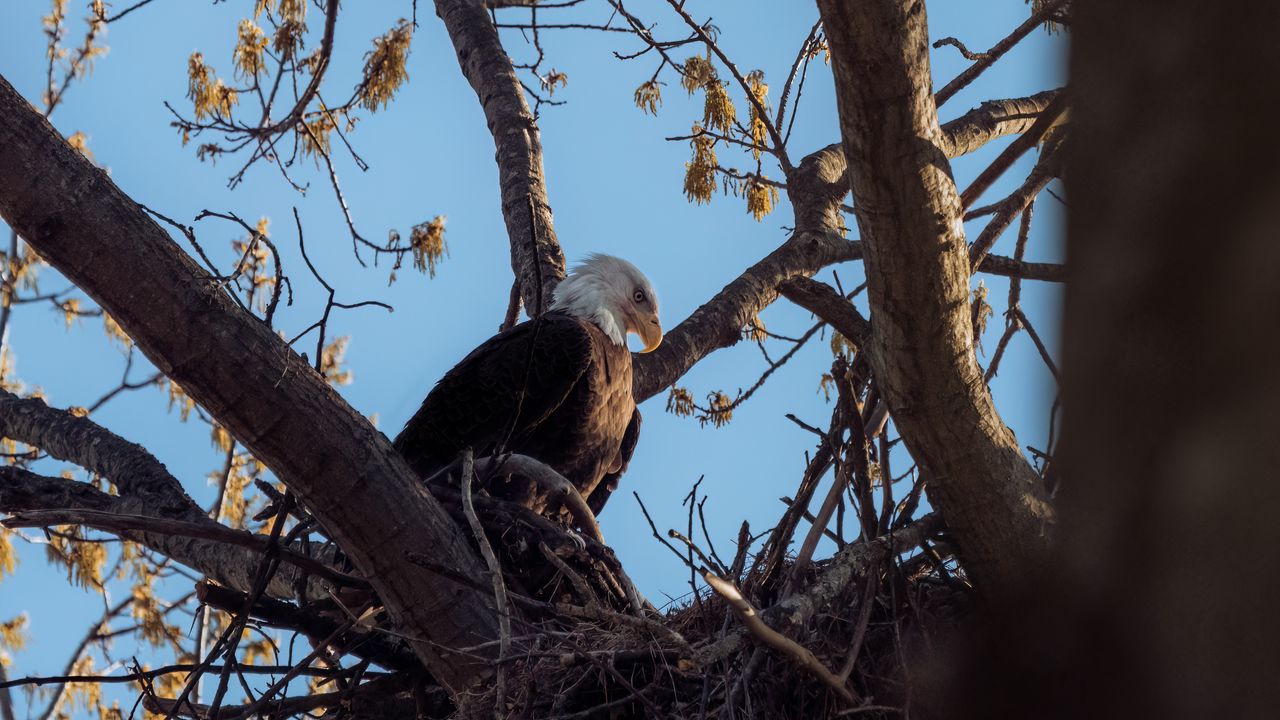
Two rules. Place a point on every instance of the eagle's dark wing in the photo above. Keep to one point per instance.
(498, 393)
(609, 482)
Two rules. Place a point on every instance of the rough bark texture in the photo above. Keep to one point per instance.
(254, 385)
(145, 488)
(918, 279)
(992, 119)
(1164, 597)
(536, 258)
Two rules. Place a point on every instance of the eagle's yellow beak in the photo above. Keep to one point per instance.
(650, 331)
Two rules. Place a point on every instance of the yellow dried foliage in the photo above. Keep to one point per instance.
(331, 359)
(179, 397)
(757, 125)
(755, 330)
(208, 94)
(70, 311)
(826, 386)
(553, 80)
(169, 684)
(649, 97)
(384, 67)
(23, 270)
(78, 411)
(86, 696)
(80, 141)
(700, 174)
(315, 133)
(256, 652)
(150, 616)
(114, 331)
(251, 43)
(719, 410)
(13, 633)
(110, 713)
(8, 379)
(429, 248)
(841, 346)
(221, 438)
(84, 561)
(718, 112)
(697, 72)
(288, 38)
(679, 402)
(8, 557)
(289, 10)
(295, 10)
(981, 311)
(235, 501)
(760, 197)
(820, 46)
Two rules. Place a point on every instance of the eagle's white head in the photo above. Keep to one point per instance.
(613, 294)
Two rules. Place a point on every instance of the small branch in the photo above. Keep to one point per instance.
(1023, 143)
(119, 522)
(997, 51)
(767, 635)
(968, 55)
(499, 587)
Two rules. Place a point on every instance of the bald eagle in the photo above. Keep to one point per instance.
(556, 388)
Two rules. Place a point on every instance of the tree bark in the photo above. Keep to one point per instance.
(349, 477)
(917, 267)
(536, 257)
(1163, 598)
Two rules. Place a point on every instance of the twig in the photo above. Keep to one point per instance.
(495, 576)
(121, 522)
(767, 635)
(996, 52)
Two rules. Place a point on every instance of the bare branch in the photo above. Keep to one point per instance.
(998, 50)
(762, 632)
(128, 524)
(536, 257)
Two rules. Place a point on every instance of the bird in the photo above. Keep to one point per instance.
(556, 388)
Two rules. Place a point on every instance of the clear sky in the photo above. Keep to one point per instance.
(614, 185)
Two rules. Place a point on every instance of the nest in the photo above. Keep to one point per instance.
(583, 643)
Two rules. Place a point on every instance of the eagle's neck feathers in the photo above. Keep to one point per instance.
(588, 295)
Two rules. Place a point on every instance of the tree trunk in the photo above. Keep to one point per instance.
(1162, 600)
(342, 469)
(917, 267)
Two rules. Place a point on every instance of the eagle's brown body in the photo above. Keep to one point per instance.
(556, 388)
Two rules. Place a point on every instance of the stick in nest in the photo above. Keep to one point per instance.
(499, 587)
(767, 635)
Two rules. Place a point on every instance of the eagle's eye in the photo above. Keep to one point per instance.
(638, 296)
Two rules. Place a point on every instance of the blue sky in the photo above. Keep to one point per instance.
(614, 185)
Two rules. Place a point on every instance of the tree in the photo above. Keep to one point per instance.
(471, 622)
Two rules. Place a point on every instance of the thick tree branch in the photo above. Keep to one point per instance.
(22, 491)
(917, 268)
(719, 322)
(993, 119)
(342, 469)
(536, 258)
(833, 308)
(135, 472)
(129, 524)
